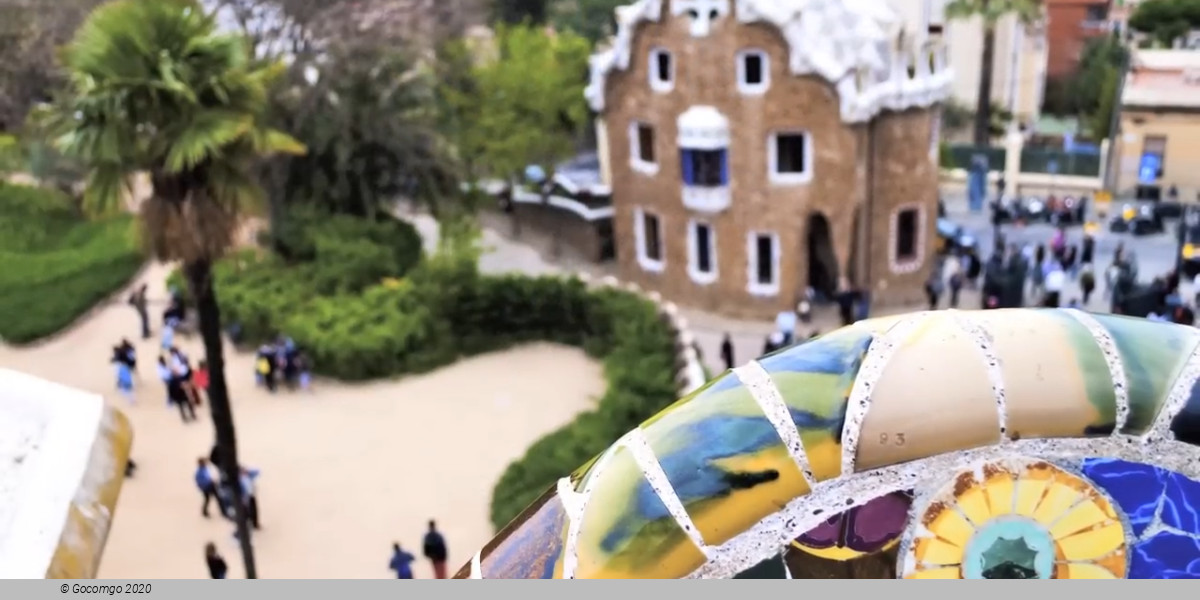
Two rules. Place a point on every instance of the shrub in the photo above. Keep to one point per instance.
(56, 265)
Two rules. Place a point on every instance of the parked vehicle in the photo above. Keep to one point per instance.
(1138, 220)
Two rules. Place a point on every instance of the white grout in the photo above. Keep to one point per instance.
(476, 570)
(991, 361)
(1177, 398)
(1112, 357)
(636, 443)
(758, 382)
(883, 346)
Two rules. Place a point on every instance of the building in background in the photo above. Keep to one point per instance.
(1070, 25)
(756, 149)
(1158, 143)
(1019, 72)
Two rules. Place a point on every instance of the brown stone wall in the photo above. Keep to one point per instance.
(705, 74)
(903, 176)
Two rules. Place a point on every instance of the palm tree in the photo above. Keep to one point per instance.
(990, 12)
(153, 87)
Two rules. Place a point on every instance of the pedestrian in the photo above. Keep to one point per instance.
(785, 323)
(1087, 251)
(200, 381)
(401, 562)
(955, 278)
(933, 288)
(139, 303)
(208, 487)
(305, 369)
(1055, 280)
(264, 366)
(175, 392)
(434, 549)
(1087, 283)
(217, 569)
(247, 478)
(727, 351)
(124, 375)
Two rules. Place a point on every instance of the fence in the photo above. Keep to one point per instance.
(1059, 162)
(960, 156)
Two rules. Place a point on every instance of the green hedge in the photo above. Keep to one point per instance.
(57, 265)
(444, 309)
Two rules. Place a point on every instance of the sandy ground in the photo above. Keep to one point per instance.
(346, 470)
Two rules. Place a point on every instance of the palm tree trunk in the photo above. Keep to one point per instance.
(983, 111)
(199, 275)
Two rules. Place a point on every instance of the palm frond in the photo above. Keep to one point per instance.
(107, 185)
(202, 138)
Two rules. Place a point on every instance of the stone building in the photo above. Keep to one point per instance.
(758, 147)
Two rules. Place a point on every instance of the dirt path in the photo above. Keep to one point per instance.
(346, 470)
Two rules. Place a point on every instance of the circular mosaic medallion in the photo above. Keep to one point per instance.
(1017, 520)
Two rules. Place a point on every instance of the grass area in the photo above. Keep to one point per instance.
(57, 264)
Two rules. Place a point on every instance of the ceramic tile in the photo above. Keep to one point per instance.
(877, 565)
(815, 379)
(1136, 488)
(531, 546)
(859, 531)
(772, 568)
(1186, 425)
(1166, 556)
(626, 531)
(1181, 504)
(1153, 356)
(724, 459)
(934, 396)
(1065, 359)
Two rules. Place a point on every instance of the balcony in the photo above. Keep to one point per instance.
(708, 200)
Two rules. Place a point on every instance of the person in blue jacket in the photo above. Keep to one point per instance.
(401, 562)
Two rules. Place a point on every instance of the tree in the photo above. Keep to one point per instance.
(990, 12)
(595, 20)
(30, 33)
(155, 88)
(515, 12)
(369, 123)
(1166, 20)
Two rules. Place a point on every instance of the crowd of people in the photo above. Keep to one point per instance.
(216, 485)
(282, 362)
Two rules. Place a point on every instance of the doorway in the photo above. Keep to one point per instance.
(822, 261)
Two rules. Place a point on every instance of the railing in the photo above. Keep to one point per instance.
(1058, 162)
(960, 156)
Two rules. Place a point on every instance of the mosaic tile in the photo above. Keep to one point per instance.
(724, 459)
(772, 568)
(815, 380)
(1065, 359)
(1186, 425)
(861, 530)
(626, 531)
(878, 565)
(531, 546)
(1166, 556)
(1181, 504)
(1153, 356)
(1135, 487)
(1017, 519)
(933, 397)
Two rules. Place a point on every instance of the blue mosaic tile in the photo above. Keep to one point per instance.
(1166, 556)
(1137, 488)
(1181, 504)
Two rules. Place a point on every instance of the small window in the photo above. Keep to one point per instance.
(662, 70)
(790, 158)
(762, 268)
(653, 239)
(702, 253)
(906, 235)
(705, 168)
(642, 154)
(753, 73)
(764, 257)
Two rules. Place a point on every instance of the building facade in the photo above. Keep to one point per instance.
(1158, 143)
(1070, 25)
(759, 147)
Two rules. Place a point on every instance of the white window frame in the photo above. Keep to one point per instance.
(635, 149)
(908, 265)
(752, 285)
(753, 89)
(694, 272)
(657, 84)
(639, 233)
(773, 173)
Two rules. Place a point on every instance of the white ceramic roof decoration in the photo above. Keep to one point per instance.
(857, 45)
(703, 128)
